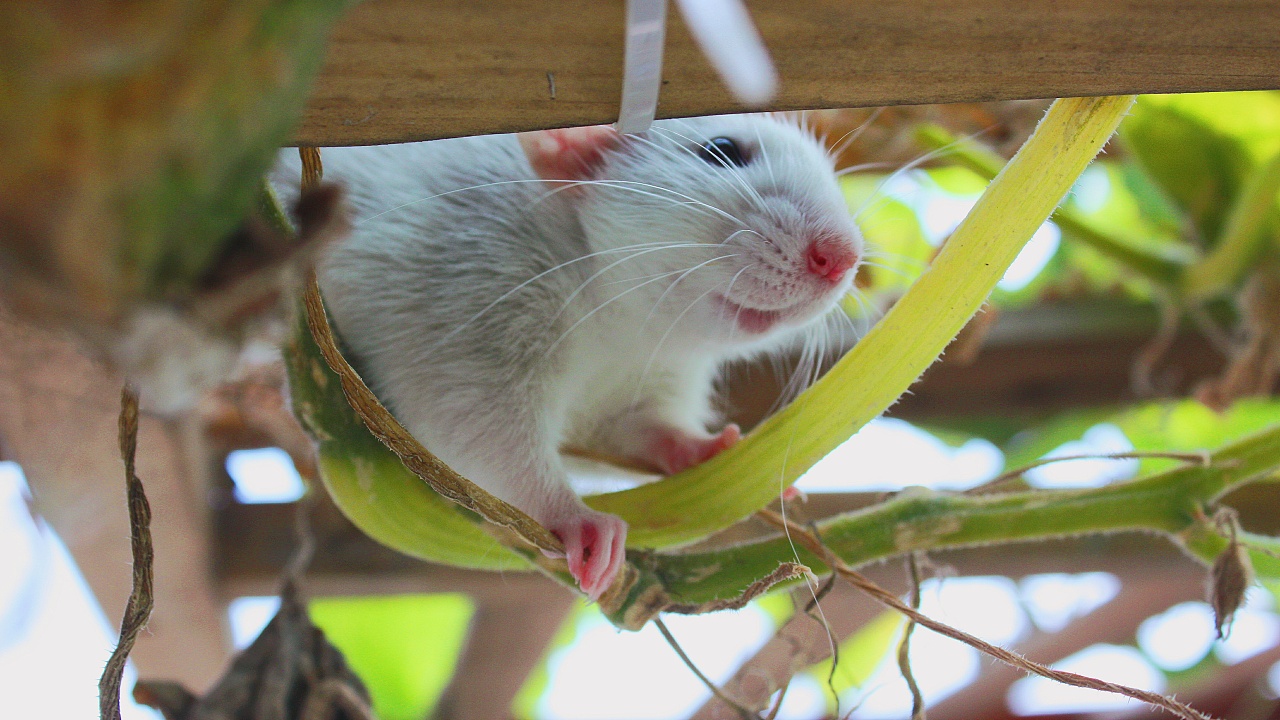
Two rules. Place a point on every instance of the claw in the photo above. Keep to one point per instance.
(594, 546)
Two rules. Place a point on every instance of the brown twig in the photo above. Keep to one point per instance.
(904, 647)
(305, 537)
(888, 599)
(312, 168)
(834, 642)
(138, 608)
(1201, 458)
(744, 713)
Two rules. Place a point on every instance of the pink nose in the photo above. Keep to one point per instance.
(831, 258)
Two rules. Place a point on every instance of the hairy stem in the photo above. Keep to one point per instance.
(1172, 502)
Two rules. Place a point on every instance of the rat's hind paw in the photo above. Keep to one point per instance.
(594, 545)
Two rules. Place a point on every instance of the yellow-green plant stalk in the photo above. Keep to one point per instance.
(731, 486)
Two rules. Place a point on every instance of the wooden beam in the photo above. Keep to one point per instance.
(401, 70)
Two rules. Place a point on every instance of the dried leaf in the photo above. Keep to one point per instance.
(1231, 576)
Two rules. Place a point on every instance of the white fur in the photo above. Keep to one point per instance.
(594, 353)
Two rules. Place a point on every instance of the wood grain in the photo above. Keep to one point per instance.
(401, 70)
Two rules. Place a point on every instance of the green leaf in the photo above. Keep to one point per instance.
(1197, 164)
(404, 647)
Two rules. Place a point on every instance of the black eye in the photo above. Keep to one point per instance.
(722, 151)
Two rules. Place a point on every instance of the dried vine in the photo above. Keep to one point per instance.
(141, 600)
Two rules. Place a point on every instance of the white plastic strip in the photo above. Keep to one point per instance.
(642, 67)
(724, 31)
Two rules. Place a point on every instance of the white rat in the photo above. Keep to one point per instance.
(509, 296)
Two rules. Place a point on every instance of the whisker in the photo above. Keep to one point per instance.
(732, 178)
(849, 138)
(635, 400)
(729, 291)
(544, 273)
(860, 167)
(627, 185)
(656, 348)
(900, 272)
(689, 155)
(727, 178)
(938, 152)
(764, 153)
(593, 311)
(577, 291)
(601, 306)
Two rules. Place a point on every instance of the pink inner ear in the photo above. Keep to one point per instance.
(569, 154)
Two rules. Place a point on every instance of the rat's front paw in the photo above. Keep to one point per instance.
(594, 544)
(672, 449)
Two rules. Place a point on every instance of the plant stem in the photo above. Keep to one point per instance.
(1172, 502)
(1242, 237)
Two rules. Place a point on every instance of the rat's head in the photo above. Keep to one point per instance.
(748, 205)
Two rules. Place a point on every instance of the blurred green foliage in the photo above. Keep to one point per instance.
(404, 647)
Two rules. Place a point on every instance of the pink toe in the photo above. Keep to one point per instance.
(594, 548)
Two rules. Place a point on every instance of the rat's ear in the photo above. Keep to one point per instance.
(568, 154)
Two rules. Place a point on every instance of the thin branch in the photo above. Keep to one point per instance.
(744, 713)
(1142, 373)
(1203, 459)
(305, 537)
(138, 608)
(888, 599)
(904, 647)
(832, 640)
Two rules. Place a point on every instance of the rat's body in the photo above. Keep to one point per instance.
(507, 320)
